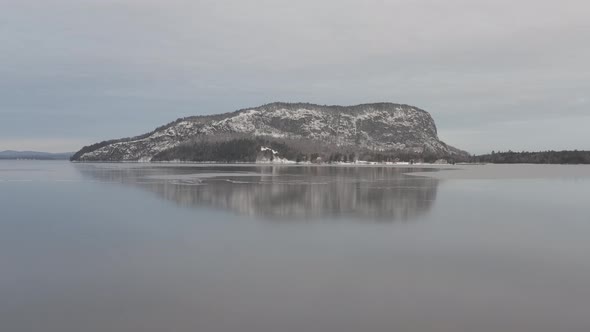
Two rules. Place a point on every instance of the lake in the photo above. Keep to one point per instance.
(142, 247)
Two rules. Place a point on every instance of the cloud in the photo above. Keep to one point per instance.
(109, 68)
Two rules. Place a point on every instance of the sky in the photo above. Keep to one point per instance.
(495, 75)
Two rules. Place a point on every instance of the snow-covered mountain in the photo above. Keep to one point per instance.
(385, 127)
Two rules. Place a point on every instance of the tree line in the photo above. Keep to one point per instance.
(247, 149)
(541, 157)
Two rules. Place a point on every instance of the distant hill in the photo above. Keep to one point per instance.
(34, 155)
(279, 131)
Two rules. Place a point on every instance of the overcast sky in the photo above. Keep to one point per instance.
(495, 75)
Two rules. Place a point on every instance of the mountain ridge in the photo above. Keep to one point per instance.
(383, 128)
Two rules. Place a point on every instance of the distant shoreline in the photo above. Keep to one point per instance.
(237, 163)
(34, 155)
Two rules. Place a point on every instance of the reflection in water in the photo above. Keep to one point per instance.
(79, 254)
(283, 192)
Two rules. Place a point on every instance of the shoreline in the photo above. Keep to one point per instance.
(294, 164)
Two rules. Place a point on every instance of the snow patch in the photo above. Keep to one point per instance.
(262, 149)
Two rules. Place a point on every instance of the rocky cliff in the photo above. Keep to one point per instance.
(378, 128)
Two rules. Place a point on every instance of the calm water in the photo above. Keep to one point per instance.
(279, 249)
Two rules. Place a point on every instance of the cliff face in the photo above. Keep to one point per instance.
(375, 127)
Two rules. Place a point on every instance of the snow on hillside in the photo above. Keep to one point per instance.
(376, 126)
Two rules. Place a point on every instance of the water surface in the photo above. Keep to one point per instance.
(131, 247)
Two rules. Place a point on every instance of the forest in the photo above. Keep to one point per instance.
(542, 157)
(248, 149)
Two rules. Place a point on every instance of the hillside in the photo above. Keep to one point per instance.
(384, 131)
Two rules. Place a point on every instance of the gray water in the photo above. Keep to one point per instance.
(128, 247)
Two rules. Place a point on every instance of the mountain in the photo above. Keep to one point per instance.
(279, 131)
(34, 155)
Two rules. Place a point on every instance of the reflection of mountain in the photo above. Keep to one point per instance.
(279, 192)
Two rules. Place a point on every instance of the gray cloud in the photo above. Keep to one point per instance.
(494, 74)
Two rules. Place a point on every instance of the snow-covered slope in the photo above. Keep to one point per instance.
(379, 127)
